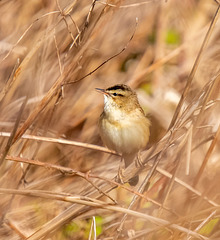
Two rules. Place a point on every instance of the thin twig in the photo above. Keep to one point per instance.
(58, 55)
(63, 170)
(26, 31)
(15, 228)
(207, 219)
(90, 13)
(87, 176)
(195, 66)
(211, 88)
(10, 82)
(53, 90)
(103, 63)
(144, 185)
(62, 141)
(128, 5)
(207, 156)
(63, 15)
(11, 137)
(100, 204)
(187, 186)
(177, 162)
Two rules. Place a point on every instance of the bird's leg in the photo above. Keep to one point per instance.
(138, 160)
(120, 176)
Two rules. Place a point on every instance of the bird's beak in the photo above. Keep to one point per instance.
(101, 91)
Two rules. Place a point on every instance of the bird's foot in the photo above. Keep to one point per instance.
(120, 176)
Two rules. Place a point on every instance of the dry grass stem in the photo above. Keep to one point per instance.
(100, 204)
(62, 141)
(57, 179)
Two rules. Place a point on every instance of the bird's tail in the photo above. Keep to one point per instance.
(128, 159)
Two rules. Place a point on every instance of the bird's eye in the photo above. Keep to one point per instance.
(115, 94)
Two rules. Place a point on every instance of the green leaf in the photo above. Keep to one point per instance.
(208, 228)
(172, 37)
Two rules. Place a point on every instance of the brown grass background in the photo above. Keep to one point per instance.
(56, 179)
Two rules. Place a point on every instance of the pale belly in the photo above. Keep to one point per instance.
(126, 138)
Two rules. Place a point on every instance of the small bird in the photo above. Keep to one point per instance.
(123, 125)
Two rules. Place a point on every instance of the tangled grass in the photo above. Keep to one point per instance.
(57, 180)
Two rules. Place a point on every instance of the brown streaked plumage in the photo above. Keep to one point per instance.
(123, 125)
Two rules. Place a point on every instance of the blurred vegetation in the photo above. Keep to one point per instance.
(53, 55)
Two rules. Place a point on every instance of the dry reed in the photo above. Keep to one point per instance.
(56, 178)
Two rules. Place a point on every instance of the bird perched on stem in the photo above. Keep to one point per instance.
(123, 126)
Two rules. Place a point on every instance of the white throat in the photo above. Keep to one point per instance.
(112, 110)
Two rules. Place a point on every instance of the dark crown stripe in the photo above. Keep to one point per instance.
(121, 87)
